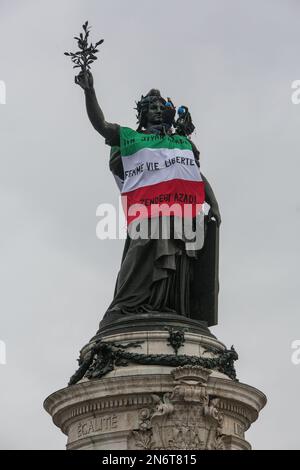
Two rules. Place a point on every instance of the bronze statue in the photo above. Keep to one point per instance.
(167, 280)
(158, 275)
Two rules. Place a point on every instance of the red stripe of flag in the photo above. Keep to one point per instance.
(185, 196)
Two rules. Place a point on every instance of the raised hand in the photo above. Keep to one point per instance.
(85, 80)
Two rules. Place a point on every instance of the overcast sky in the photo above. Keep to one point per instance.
(232, 62)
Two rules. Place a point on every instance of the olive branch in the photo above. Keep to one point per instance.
(87, 52)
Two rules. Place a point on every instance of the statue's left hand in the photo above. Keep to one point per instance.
(215, 213)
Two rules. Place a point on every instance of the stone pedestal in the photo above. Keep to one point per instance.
(156, 389)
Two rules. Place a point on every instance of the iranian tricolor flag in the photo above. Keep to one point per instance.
(161, 176)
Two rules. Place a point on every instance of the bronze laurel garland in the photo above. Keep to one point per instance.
(104, 357)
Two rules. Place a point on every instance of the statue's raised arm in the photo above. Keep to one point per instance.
(83, 58)
(110, 131)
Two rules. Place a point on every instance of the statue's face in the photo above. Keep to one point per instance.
(155, 112)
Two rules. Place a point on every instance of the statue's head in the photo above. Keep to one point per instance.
(153, 109)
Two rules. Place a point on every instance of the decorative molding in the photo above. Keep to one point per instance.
(187, 418)
(107, 404)
(176, 338)
(237, 409)
(104, 356)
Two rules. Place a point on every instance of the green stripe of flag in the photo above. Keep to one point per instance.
(131, 141)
